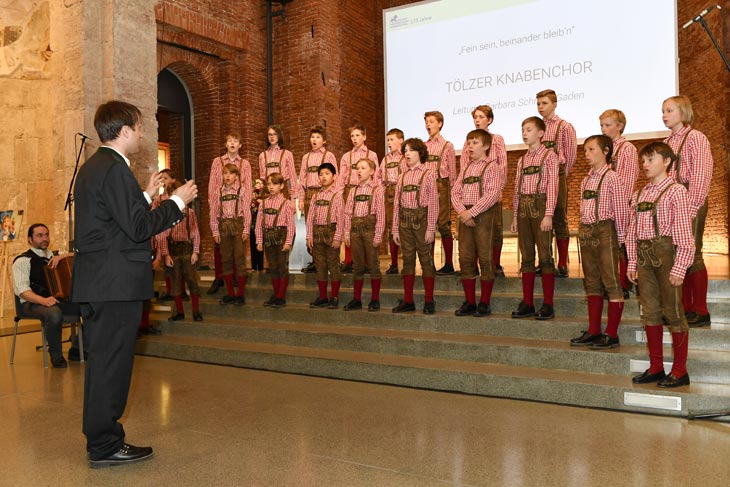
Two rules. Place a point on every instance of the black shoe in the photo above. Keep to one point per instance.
(429, 308)
(59, 362)
(498, 271)
(584, 340)
(346, 268)
(466, 309)
(546, 312)
(186, 297)
(197, 316)
(523, 311)
(352, 305)
(177, 317)
(279, 303)
(150, 330)
(310, 269)
(393, 269)
(404, 307)
(483, 309)
(605, 342)
(646, 377)
(374, 305)
(217, 284)
(165, 297)
(227, 299)
(126, 454)
(690, 315)
(673, 381)
(319, 303)
(562, 272)
(627, 295)
(538, 271)
(270, 301)
(334, 303)
(75, 356)
(446, 270)
(698, 321)
(239, 300)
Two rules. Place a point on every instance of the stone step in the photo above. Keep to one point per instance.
(518, 382)
(704, 366)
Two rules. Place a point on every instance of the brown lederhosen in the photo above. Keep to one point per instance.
(362, 234)
(443, 224)
(231, 235)
(390, 195)
(181, 252)
(560, 217)
(326, 258)
(412, 223)
(661, 303)
(477, 241)
(600, 252)
(274, 239)
(698, 222)
(531, 211)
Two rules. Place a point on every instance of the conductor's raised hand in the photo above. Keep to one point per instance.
(154, 184)
(187, 192)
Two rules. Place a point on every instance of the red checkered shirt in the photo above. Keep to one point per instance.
(347, 174)
(612, 202)
(227, 209)
(498, 151)
(429, 197)
(566, 144)
(673, 216)
(695, 165)
(626, 163)
(185, 231)
(390, 175)
(285, 218)
(310, 179)
(216, 174)
(376, 206)
(286, 167)
(548, 184)
(318, 213)
(446, 168)
(484, 190)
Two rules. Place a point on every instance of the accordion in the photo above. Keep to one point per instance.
(59, 278)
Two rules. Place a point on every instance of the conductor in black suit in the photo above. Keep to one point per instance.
(111, 275)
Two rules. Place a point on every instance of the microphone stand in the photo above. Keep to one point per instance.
(714, 41)
(70, 198)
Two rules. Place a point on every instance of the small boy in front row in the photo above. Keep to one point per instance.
(533, 204)
(324, 236)
(474, 197)
(661, 247)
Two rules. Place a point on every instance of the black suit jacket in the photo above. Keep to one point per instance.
(114, 225)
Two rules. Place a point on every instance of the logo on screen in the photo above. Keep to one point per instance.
(396, 21)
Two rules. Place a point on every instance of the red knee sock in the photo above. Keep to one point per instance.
(497, 255)
(563, 252)
(448, 244)
(487, 287)
(623, 266)
(548, 288)
(144, 322)
(283, 285)
(656, 353)
(322, 285)
(168, 285)
(241, 285)
(358, 290)
(687, 289)
(615, 310)
(680, 345)
(335, 289)
(393, 254)
(470, 293)
(218, 262)
(375, 285)
(195, 299)
(595, 308)
(699, 292)
(408, 281)
(229, 284)
(428, 283)
(178, 304)
(348, 255)
(528, 288)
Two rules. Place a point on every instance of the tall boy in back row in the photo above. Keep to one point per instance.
(559, 137)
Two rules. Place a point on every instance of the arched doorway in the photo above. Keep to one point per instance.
(175, 122)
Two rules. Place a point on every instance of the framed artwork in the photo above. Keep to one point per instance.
(8, 226)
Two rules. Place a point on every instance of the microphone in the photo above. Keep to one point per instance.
(701, 15)
(82, 135)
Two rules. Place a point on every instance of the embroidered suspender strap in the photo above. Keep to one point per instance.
(417, 190)
(598, 195)
(679, 154)
(614, 156)
(278, 212)
(369, 199)
(522, 171)
(553, 144)
(651, 205)
(226, 198)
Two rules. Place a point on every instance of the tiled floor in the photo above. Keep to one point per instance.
(223, 426)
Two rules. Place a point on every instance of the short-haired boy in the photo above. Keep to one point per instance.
(533, 204)
(324, 236)
(560, 137)
(661, 247)
(442, 160)
(391, 167)
(233, 145)
(475, 195)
